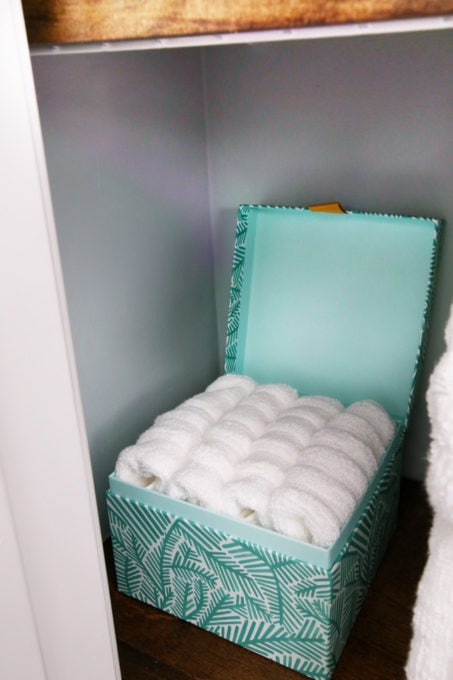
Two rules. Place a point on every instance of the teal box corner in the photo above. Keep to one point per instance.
(331, 304)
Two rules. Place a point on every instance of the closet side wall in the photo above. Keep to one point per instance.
(365, 121)
(125, 144)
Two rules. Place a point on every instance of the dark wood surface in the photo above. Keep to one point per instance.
(68, 21)
(156, 646)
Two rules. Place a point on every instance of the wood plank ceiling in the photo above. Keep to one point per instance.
(79, 21)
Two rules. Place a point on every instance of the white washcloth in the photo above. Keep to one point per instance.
(340, 466)
(154, 462)
(198, 485)
(214, 456)
(350, 445)
(183, 436)
(297, 429)
(265, 466)
(329, 490)
(281, 395)
(233, 380)
(331, 406)
(304, 516)
(377, 416)
(312, 414)
(235, 437)
(250, 418)
(280, 446)
(361, 429)
(216, 403)
(264, 404)
(194, 415)
(248, 498)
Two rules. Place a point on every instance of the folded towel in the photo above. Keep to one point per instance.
(233, 436)
(360, 428)
(281, 395)
(350, 445)
(329, 490)
(297, 429)
(197, 485)
(180, 435)
(154, 462)
(302, 515)
(232, 380)
(377, 416)
(214, 456)
(284, 450)
(311, 414)
(248, 498)
(250, 418)
(262, 465)
(264, 404)
(329, 405)
(339, 465)
(194, 415)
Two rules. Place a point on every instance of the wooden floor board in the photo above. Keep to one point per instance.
(156, 646)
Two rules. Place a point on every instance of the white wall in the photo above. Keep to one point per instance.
(125, 146)
(365, 121)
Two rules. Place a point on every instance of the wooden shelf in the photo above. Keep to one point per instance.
(82, 21)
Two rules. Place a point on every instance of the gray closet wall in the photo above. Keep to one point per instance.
(149, 154)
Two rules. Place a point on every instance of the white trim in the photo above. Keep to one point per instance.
(251, 37)
(43, 446)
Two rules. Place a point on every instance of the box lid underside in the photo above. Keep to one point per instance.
(331, 304)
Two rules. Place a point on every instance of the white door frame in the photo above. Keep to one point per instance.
(50, 523)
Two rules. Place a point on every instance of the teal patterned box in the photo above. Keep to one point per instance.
(334, 305)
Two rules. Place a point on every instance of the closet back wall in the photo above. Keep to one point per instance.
(125, 145)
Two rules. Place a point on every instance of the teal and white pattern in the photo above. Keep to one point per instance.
(297, 614)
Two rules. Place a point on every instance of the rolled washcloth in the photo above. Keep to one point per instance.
(245, 384)
(236, 439)
(377, 416)
(360, 428)
(216, 403)
(152, 463)
(278, 445)
(350, 445)
(303, 515)
(321, 484)
(182, 435)
(340, 466)
(198, 485)
(214, 456)
(311, 414)
(263, 404)
(250, 418)
(329, 405)
(297, 429)
(248, 498)
(283, 396)
(193, 415)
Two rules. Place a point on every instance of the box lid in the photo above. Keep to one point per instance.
(332, 304)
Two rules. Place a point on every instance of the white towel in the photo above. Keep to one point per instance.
(329, 490)
(299, 430)
(233, 380)
(193, 415)
(183, 436)
(263, 465)
(361, 429)
(214, 456)
(350, 445)
(154, 462)
(312, 414)
(281, 395)
(304, 516)
(197, 485)
(250, 418)
(235, 437)
(216, 403)
(377, 416)
(264, 404)
(331, 406)
(340, 466)
(248, 498)
(278, 445)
